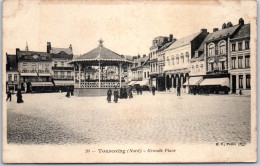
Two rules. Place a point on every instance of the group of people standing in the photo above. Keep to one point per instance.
(19, 96)
(122, 95)
(70, 91)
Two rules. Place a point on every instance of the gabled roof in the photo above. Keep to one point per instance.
(244, 31)
(55, 50)
(201, 48)
(101, 53)
(62, 55)
(33, 55)
(223, 33)
(166, 45)
(183, 41)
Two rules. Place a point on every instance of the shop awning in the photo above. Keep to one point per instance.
(144, 82)
(193, 81)
(137, 82)
(63, 82)
(28, 74)
(42, 84)
(215, 81)
(132, 82)
(44, 74)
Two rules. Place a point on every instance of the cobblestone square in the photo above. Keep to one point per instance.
(146, 119)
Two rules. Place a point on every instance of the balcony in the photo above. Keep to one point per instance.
(28, 71)
(62, 68)
(63, 77)
(43, 71)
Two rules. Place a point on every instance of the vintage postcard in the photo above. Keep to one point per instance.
(129, 81)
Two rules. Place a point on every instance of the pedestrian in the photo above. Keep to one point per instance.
(72, 91)
(137, 89)
(109, 94)
(9, 95)
(68, 92)
(153, 90)
(130, 93)
(125, 93)
(115, 95)
(178, 91)
(19, 96)
(121, 93)
(240, 92)
(141, 90)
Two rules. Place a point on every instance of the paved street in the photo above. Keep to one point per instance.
(164, 118)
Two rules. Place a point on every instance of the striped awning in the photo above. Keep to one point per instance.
(215, 81)
(42, 83)
(132, 82)
(193, 81)
(144, 82)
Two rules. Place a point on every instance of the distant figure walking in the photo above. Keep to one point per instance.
(141, 90)
(130, 94)
(178, 91)
(125, 93)
(72, 91)
(9, 95)
(115, 95)
(68, 92)
(19, 96)
(109, 94)
(121, 93)
(137, 90)
(153, 90)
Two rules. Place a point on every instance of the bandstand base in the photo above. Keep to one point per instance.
(82, 92)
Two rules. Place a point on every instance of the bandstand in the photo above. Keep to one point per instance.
(96, 83)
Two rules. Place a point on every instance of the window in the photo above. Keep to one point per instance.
(24, 64)
(240, 59)
(201, 68)
(197, 69)
(62, 63)
(33, 66)
(9, 77)
(223, 65)
(168, 61)
(55, 63)
(177, 60)
(69, 74)
(173, 60)
(233, 59)
(234, 47)
(240, 81)
(222, 47)
(148, 74)
(247, 61)
(187, 57)
(62, 74)
(40, 66)
(144, 74)
(55, 74)
(211, 66)
(247, 45)
(211, 50)
(192, 69)
(15, 77)
(182, 59)
(239, 46)
(46, 67)
(248, 85)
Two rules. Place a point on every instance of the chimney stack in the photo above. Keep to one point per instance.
(224, 26)
(170, 38)
(229, 24)
(241, 21)
(215, 29)
(144, 56)
(203, 30)
(48, 47)
(138, 56)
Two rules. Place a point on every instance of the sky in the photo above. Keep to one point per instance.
(126, 28)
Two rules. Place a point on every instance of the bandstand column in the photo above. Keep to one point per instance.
(74, 74)
(120, 71)
(79, 75)
(99, 74)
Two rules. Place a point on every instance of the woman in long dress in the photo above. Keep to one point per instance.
(115, 95)
(109, 94)
(19, 96)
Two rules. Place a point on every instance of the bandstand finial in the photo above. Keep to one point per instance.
(101, 42)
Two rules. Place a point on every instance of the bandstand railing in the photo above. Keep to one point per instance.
(102, 85)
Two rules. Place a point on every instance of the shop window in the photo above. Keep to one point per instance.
(234, 47)
(233, 62)
(247, 61)
(69, 74)
(248, 79)
(201, 68)
(247, 45)
(240, 46)
(62, 74)
(240, 81)
(240, 60)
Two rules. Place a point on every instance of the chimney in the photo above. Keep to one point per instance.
(215, 29)
(70, 47)
(17, 52)
(203, 30)
(224, 26)
(48, 47)
(144, 56)
(241, 21)
(229, 24)
(138, 56)
(170, 38)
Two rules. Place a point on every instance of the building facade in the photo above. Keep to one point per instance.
(177, 60)
(239, 66)
(12, 73)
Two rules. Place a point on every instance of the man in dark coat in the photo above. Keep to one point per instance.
(115, 95)
(121, 93)
(19, 96)
(178, 91)
(72, 91)
(141, 90)
(130, 94)
(137, 90)
(153, 90)
(109, 94)
(9, 95)
(125, 93)
(68, 92)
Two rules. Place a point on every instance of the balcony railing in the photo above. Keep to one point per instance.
(29, 71)
(63, 77)
(43, 71)
(102, 84)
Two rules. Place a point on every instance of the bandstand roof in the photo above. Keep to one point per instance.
(101, 54)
